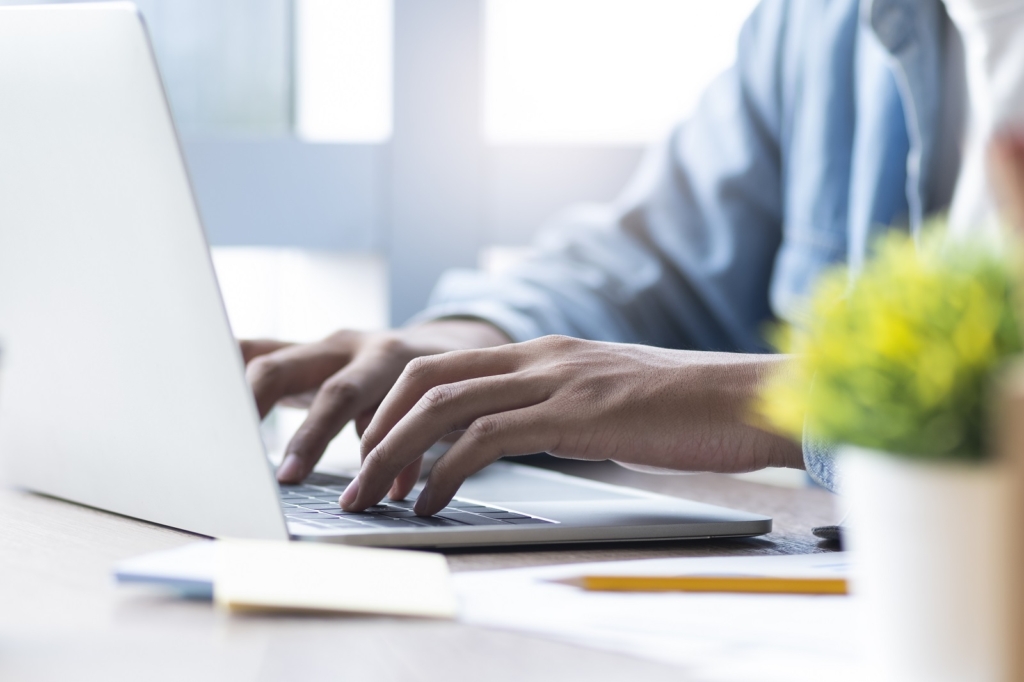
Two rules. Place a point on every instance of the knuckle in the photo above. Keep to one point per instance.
(341, 391)
(486, 428)
(373, 458)
(419, 368)
(378, 462)
(392, 345)
(555, 342)
(561, 341)
(439, 397)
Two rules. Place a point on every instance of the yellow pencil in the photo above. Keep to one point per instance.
(708, 583)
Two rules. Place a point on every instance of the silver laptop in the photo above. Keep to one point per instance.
(122, 387)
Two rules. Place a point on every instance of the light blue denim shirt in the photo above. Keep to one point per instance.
(822, 132)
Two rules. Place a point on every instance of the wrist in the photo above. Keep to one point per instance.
(728, 385)
(782, 451)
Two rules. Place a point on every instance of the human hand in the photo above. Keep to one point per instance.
(577, 399)
(344, 377)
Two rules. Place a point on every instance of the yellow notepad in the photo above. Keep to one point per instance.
(275, 575)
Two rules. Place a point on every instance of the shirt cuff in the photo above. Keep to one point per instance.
(820, 461)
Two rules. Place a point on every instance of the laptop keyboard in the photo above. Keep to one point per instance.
(316, 502)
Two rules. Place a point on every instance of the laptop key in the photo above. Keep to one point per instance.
(471, 519)
(504, 515)
(385, 522)
(527, 521)
(340, 521)
(401, 504)
(433, 521)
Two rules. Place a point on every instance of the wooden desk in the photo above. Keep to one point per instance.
(62, 618)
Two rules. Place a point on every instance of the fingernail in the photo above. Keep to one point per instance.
(350, 494)
(290, 469)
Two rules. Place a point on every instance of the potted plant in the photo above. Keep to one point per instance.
(897, 365)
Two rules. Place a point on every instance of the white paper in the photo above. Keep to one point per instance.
(272, 574)
(713, 637)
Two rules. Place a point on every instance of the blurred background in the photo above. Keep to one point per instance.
(346, 152)
(414, 134)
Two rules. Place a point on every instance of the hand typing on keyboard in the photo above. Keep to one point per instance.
(634, 404)
(344, 377)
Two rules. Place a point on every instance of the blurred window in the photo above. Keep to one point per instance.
(226, 64)
(601, 71)
(343, 70)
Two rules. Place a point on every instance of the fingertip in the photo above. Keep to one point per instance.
(428, 504)
(292, 470)
(348, 498)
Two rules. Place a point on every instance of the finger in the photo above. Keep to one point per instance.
(519, 432)
(425, 373)
(410, 475)
(252, 348)
(292, 370)
(442, 410)
(342, 397)
(406, 480)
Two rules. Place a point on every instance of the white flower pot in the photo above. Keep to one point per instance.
(930, 566)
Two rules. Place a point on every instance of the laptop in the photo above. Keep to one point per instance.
(122, 387)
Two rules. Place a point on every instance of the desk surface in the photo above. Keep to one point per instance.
(61, 617)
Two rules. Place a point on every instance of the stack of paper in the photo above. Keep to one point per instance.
(259, 574)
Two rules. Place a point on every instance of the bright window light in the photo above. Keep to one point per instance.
(601, 71)
(343, 72)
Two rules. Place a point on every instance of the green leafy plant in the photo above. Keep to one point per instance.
(901, 357)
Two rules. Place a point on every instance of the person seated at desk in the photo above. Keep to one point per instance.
(635, 332)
